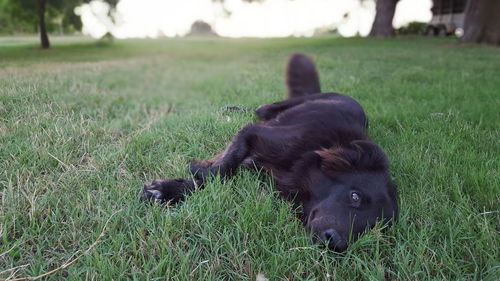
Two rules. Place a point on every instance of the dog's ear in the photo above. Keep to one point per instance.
(358, 155)
(293, 184)
(301, 76)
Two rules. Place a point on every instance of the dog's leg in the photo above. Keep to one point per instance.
(229, 160)
(269, 111)
(174, 190)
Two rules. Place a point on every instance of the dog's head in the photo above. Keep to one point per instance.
(344, 191)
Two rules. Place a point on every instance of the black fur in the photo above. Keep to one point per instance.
(316, 147)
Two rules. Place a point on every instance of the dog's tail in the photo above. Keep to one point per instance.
(301, 76)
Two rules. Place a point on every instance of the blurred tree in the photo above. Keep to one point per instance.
(200, 27)
(21, 17)
(382, 25)
(482, 22)
(40, 10)
(41, 13)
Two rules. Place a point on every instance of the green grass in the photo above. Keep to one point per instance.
(84, 125)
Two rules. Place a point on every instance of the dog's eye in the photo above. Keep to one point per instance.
(355, 197)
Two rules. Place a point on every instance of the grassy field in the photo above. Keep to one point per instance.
(85, 124)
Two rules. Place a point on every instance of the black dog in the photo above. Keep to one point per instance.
(315, 146)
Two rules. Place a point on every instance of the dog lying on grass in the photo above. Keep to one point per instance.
(315, 146)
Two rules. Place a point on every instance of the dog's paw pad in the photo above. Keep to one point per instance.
(152, 192)
(168, 190)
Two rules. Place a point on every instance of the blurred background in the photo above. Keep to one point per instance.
(471, 21)
(88, 116)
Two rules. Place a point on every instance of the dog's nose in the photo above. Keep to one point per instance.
(333, 239)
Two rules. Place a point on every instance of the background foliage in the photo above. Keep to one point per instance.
(20, 16)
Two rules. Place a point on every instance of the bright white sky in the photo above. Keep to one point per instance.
(270, 18)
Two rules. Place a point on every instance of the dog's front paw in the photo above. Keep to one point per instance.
(169, 190)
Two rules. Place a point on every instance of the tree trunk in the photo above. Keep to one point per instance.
(44, 38)
(382, 25)
(482, 23)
